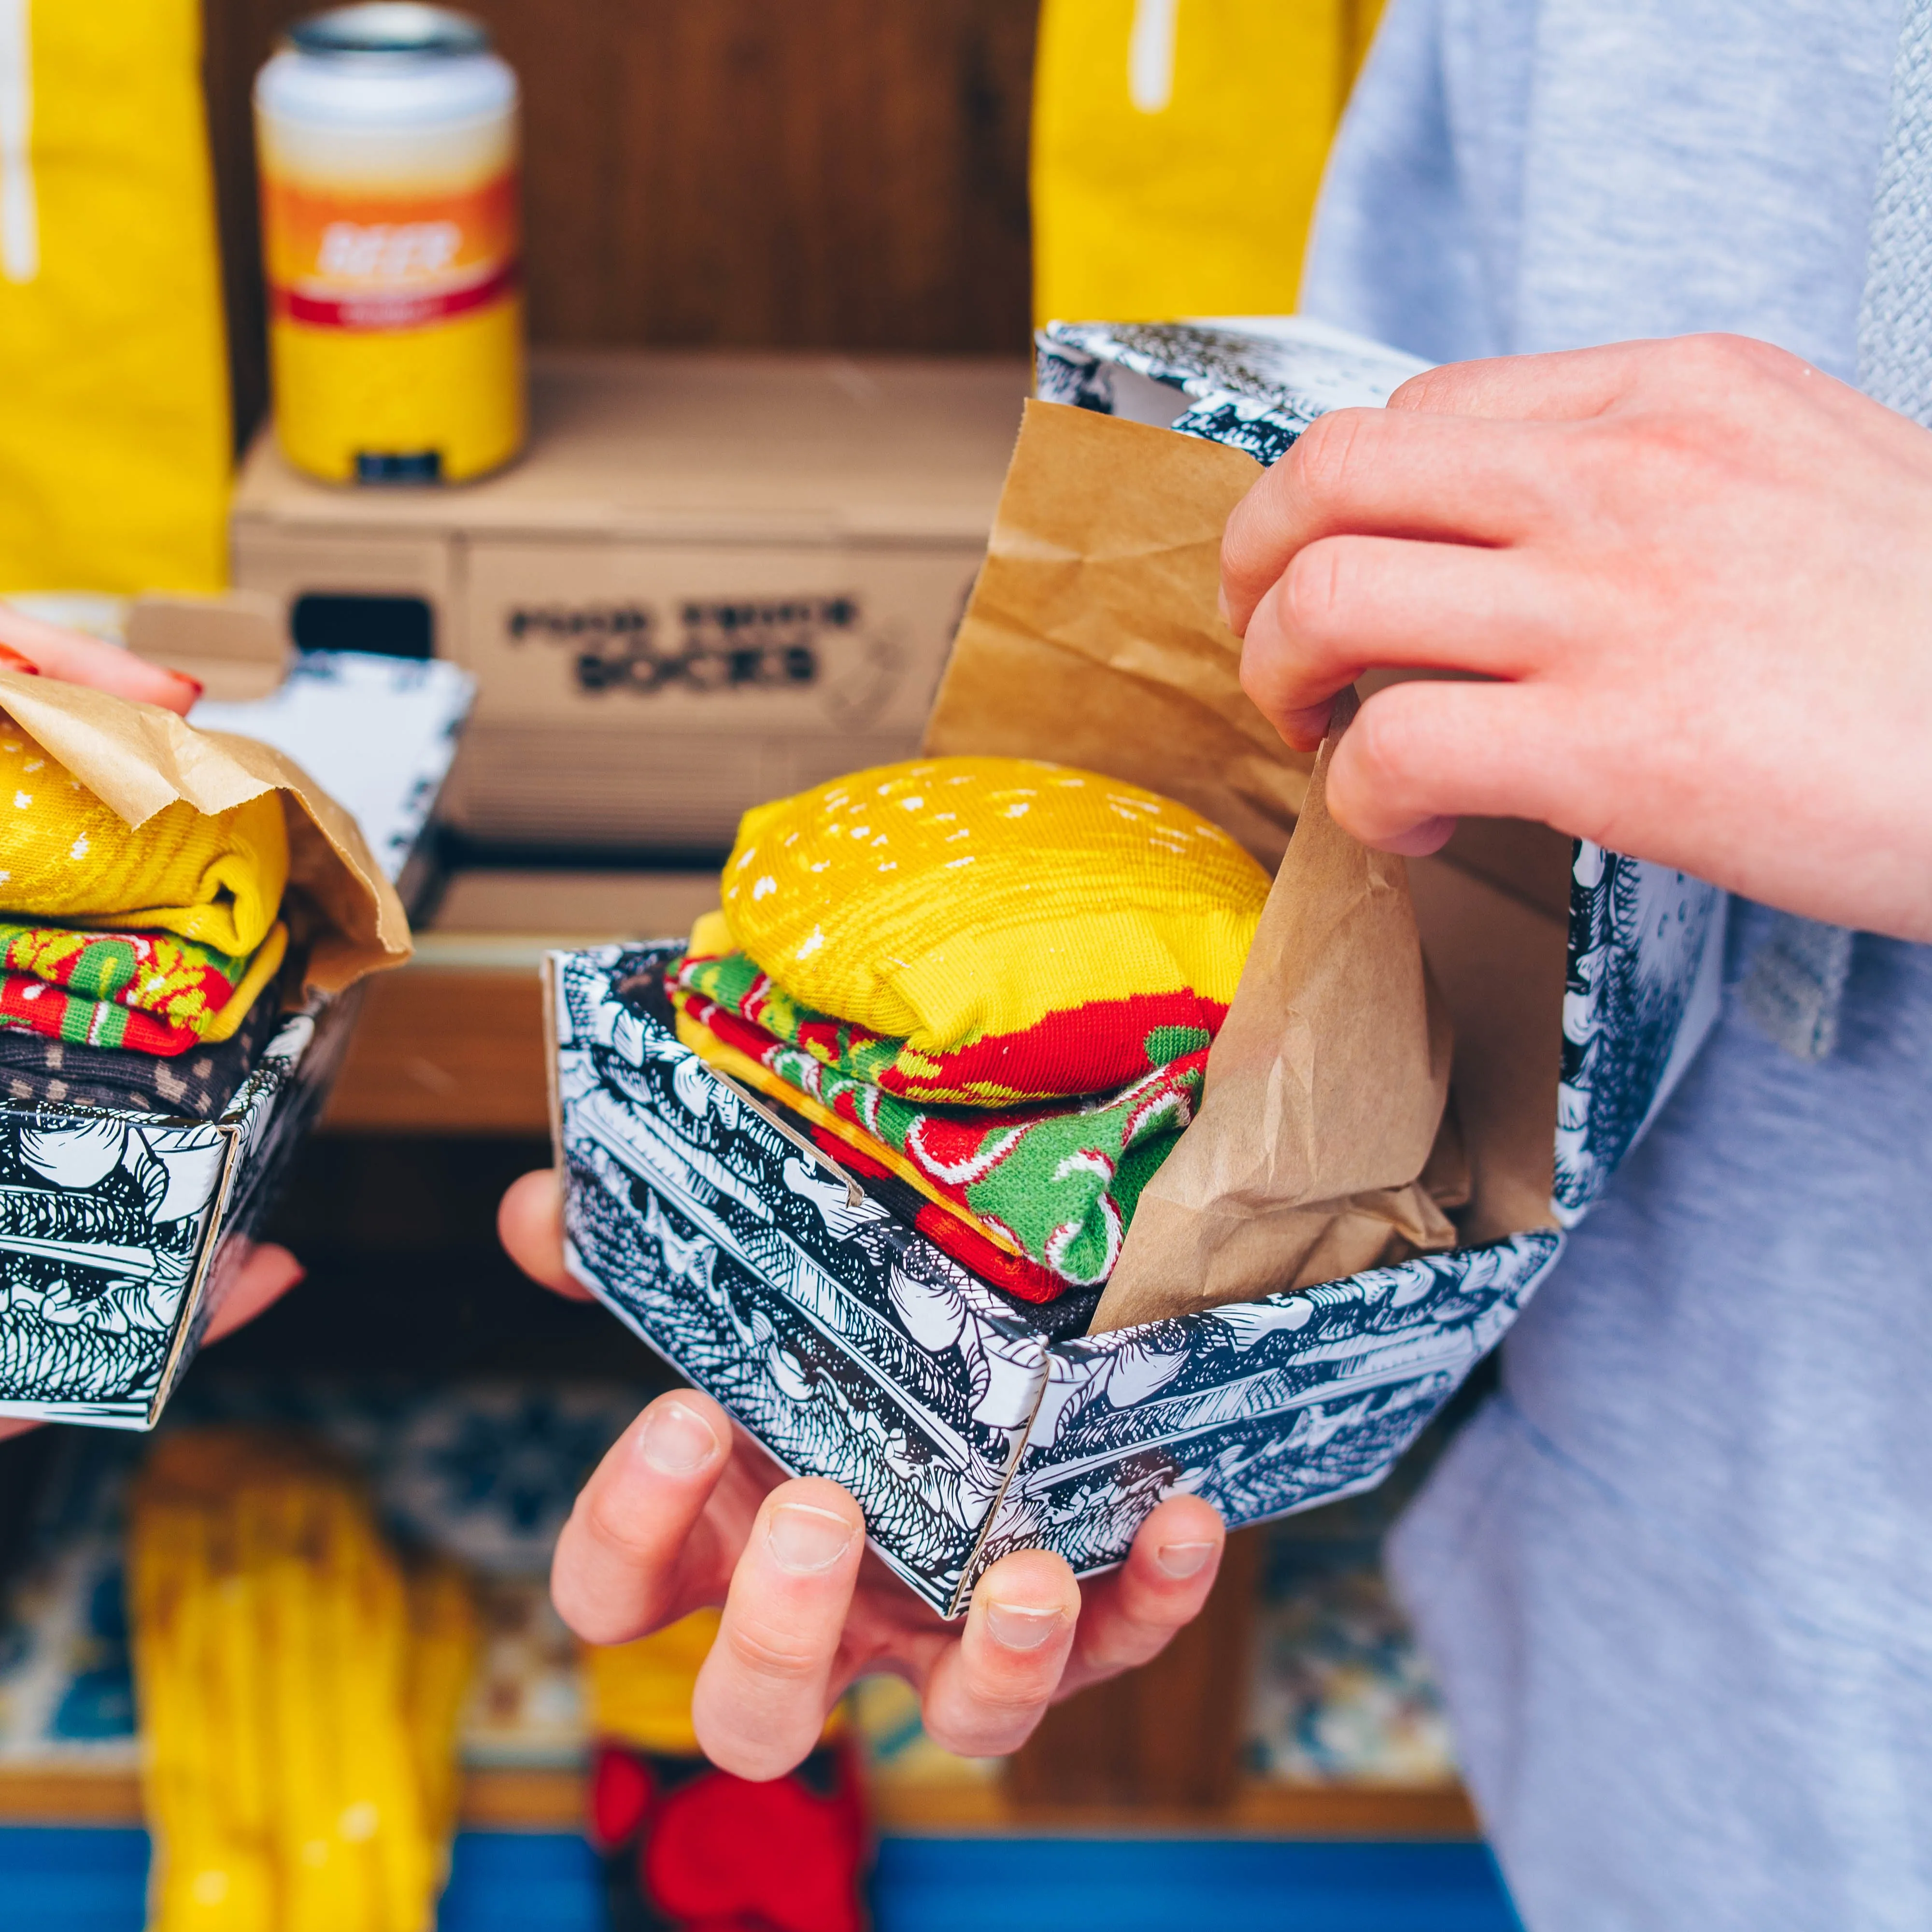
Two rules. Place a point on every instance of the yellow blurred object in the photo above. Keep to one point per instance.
(390, 239)
(456, 388)
(115, 444)
(1177, 146)
(66, 855)
(641, 1692)
(299, 1697)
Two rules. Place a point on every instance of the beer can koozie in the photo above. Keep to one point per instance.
(387, 137)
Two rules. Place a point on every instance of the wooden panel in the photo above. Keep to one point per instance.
(492, 1799)
(1166, 1737)
(446, 1052)
(751, 173)
(555, 1800)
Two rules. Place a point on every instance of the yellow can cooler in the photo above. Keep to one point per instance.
(387, 139)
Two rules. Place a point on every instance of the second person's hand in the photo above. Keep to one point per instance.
(686, 1511)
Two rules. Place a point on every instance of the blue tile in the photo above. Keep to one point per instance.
(522, 1881)
(1141, 1885)
(87, 1879)
(92, 1880)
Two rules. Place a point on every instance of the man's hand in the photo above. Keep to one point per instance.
(1695, 577)
(50, 650)
(686, 1511)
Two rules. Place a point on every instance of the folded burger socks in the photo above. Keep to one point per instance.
(139, 966)
(993, 979)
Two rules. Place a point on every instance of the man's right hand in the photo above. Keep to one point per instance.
(686, 1511)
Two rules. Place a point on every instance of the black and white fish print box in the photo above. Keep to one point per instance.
(967, 1423)
(118, 1231)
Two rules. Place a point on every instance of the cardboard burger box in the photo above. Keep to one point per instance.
(120, 1231)
(712, 579)
(1427, 1072)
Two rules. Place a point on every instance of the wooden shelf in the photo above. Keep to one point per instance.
(494, 1799)
(1256, 1810)
(554, 1801)
(452, 1043)
(446, 1050)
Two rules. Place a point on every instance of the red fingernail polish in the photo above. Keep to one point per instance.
(198, 686)
(13, 660)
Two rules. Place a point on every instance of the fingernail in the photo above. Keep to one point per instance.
(805, 1541)
(676, 1440)
(1221, 605)
(198, 686)
(1180, 1560)
(1020, 1626)
(13, 660)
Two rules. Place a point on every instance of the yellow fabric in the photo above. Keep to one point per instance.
(1177, 146)
(742, 1067)
(947, 899)
(263, 967)
(299, 1738)
(65, 856)
(641, 1692)
(115, 444)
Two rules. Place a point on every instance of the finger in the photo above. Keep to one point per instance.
(1348, 603)
(1130, 1616)
(529, 1223)
(75, 658)
(268, 1274)
(762, 1696)
(1564, 386)
(985, 1693)
(621, 1566)
(1569, 384)
(1423, 751)
(1366, 472)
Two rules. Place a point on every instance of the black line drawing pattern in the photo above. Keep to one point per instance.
(1646, 946)
(966, 1423)
(1255, 385)
(105, 1220)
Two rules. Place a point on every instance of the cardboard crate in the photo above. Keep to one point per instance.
(968, 1424)
(710, 580)
(118, 1230)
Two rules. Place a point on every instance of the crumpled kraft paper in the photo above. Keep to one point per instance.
(1325, 1093)
(138, 758)
(1092, 639)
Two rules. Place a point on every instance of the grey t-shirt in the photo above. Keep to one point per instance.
(1677, 1575)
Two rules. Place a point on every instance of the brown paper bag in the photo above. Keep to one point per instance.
(1325, 1093)
(1092, 639)
(138, 758)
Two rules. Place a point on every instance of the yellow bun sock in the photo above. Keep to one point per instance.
(67, 856)
(263, 967)
(946, 900)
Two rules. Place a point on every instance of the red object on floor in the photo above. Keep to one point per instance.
(689, 1848)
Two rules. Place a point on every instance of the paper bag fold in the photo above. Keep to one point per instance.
(1092, 638)
(1325, 1093)
(138, 758)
